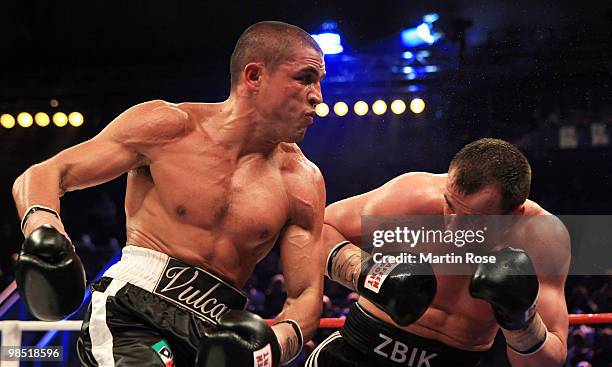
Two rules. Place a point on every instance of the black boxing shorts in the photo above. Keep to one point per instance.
(367, 341)
(150, 309)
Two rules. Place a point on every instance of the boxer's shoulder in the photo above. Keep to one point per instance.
(546, 240)
(410, 193)
(291, 159)
(152, 122)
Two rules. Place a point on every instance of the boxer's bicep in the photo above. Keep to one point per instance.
(302, 261)
(303, 271)
(119, 147)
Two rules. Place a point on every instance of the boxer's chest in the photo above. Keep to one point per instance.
(207, 189)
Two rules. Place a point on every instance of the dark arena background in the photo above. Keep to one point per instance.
(408, 83)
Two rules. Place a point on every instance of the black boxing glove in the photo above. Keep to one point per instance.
(511, 286)
(403, 290)
(239, 339)
(50, 276)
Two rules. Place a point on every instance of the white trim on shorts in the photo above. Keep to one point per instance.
(99, 333)
(144, 267)
(312, 360)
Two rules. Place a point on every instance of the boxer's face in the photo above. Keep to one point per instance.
(486, 201)
(289, 93)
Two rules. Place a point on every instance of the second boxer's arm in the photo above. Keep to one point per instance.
(553, 311)
(551, 259)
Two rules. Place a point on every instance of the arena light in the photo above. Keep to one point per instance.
(76, 119)
(24, 119)
(42, 119)
(423, 34)
(398, 106)
(7, 121)
(361, 108)
(341, 108)
(322, 109)
(60, 119)
(417, 105)
(329, 40)
(379, 107)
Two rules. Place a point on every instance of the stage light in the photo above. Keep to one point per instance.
(407, 70)
(361, 108)
(24, 119)
(379, 107)
(417, 105)
(423, 34)
(42, 119)
(75, 119)
(60, 119)
(329, 40)
(322, 109)
(398, 106)
(431, 17)
(341, 108)
(7, 121)
(54, 103)
(407, 55)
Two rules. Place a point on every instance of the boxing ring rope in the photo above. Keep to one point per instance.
(11, 329)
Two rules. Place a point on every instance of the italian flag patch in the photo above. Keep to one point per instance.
(163, 351)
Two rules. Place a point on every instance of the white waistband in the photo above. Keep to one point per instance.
(139, 266)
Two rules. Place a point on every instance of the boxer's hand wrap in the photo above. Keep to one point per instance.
(31, 210)
(511, 286)
(344, 264)
(403, 290)
(49, 274)
(290, 339)
(240, 338)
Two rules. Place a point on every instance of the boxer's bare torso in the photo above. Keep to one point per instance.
(455, 317)
(199, 199)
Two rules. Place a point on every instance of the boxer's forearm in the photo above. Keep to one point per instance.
(38, 185)
(553, 354)
(305, 310)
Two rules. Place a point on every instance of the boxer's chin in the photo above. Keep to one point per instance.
(299, 136)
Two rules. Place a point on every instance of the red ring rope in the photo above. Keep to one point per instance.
(589, 319)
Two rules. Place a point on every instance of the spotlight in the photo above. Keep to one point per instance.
(341, 108)
(7, 121)
(54, 103)
(417, 105)
(423, 34)
(322, 109)
(379, 107)
(75, 119)
(60, 119)
(398, 106)
(361, 108)
(42, 119)
(24, 119)
(329, 40)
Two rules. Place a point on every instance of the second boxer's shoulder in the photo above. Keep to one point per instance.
(421, 191)
(546, 239)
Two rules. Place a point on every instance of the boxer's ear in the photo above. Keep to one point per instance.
(252, 75)
(520, 210)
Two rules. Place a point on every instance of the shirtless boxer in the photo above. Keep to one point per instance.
(211, 188)
(488, 176)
